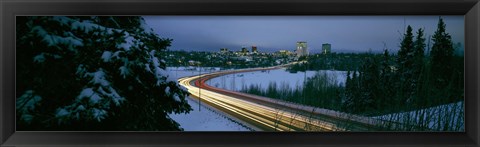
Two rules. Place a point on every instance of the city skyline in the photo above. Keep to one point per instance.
(273, 33)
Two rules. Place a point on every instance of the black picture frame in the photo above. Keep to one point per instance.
(11, 8)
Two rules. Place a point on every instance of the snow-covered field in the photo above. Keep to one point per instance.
(205, 119)
(180, 72)
(449, 117)
(264, 78)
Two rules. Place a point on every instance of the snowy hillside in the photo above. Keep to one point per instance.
(449, 117)
(205, 119)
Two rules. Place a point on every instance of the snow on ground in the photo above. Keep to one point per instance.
(435, 118)
(206, 119)
(448, 117)
(264, 78)
(181, 72)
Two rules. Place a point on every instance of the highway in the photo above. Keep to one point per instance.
(266, 114)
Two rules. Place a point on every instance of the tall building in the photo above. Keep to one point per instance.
(244, 50)
(326, 48)
(301, 49)
(254, 49)
(223, 50)
(284, 52)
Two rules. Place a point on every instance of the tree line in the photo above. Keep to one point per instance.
(411, 80)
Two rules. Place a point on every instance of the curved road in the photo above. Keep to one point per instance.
(268, 114)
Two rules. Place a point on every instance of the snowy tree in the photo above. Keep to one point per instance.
(94, 73)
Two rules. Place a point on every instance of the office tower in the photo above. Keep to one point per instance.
(301, 49)
(254, 49)
(326, 48)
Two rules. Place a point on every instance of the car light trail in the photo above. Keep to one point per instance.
(268, 114)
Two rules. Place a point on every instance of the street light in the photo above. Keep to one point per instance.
(305, 80)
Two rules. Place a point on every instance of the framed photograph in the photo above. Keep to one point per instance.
(244, 73)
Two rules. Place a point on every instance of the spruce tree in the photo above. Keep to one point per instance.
(405, 61)
(406, 52)
(351, 93)
(418, 62)
(371, 85)
(419, 54)
(94, 73)
(419, 47)
(385, 63)
(441, 55)
(386, 85)
(347, 92)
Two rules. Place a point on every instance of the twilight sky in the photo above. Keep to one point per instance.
(272, 33)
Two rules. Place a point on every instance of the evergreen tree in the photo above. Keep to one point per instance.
(419, 54)
(419, 64)
(351, 94)
(385, 63)
(94, 73)
(441, 55)
(405, 61)
(348, 84)
(419, 46)
(406, 51)
(348, 91)
(386, 85)
(370, 98)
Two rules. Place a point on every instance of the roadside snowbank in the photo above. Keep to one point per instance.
(448, 117)
(205, 119)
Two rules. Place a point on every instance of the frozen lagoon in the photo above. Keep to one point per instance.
(236, 82)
